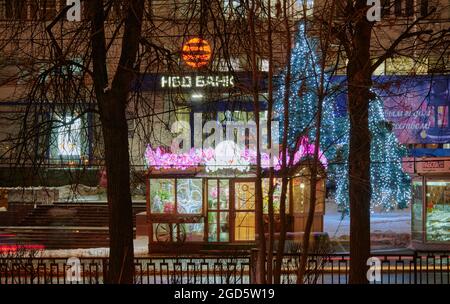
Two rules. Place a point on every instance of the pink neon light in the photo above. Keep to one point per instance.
(161, 158)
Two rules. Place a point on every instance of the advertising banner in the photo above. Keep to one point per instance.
(418, 109)
(417, 106)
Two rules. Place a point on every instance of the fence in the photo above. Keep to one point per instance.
(418, 268)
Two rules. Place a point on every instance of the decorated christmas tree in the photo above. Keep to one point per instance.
(390, 186)
(303, 96)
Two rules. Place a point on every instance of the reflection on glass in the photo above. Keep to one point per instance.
(194, 232)
(224, 233)
(224, 194)
(300, 192)
(417, 210)
(244, 226)
(320, 196)
(189, 196)
(276, 195)
(218, 204)
(438, 211)
(212, 194)
(162, 195)
(245, 196)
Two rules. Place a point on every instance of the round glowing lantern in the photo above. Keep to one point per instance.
(196, 52)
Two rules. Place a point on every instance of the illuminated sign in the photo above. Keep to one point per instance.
(196, 53)
(197, 81)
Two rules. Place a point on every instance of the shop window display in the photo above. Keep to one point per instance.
(438, 211)
(177, 197)
(162, 195)
(189, 196)
(189, 201)
(276, 196)
(417, 210)
(301, 195)
(218, 207)
(244, 225)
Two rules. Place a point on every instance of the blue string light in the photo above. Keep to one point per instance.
(389, 184)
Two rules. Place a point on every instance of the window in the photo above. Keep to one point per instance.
(233, 64)
(417, 210)
(189, 196)
(403, 8)
(244, 219)
(386, 8)
(218, 210)
(264, 66)
(43, 10)
(276, 196)
(424, 7)
(69, 140)
(162, 195)
(409, 8)
(233, 7)
(438, 211)
(308, 4)
(439, 64)
(399, 66)
(177, 196)
(13, 9)
(2, 9)
(398, 8)
(68, 136)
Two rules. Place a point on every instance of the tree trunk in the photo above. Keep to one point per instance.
(115, 135)
(259, 220)
(359, 83)
(284, 147)
(112, 101)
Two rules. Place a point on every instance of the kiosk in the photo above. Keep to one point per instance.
(430, 207)
(195, 208)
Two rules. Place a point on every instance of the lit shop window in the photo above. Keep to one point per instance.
(417, 210)
(218, 210)
(68, 136)
(439, 64)
(399, 66)
(276, 195)
(244, 218)
(177, 197)
(438, 211)
(406, 66)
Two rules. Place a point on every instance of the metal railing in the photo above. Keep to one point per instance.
(417, 268)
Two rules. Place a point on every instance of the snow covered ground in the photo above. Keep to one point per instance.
(391, 228)
(140, 249)
(398, 221)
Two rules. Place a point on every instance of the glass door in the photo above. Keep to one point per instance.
(218, 210)
(244, 207)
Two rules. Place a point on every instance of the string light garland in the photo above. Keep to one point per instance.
(389, 184)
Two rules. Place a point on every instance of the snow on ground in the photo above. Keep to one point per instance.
(140, 249)
(393, 225)
(398, 221)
